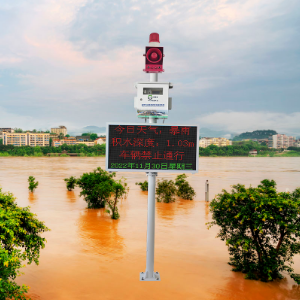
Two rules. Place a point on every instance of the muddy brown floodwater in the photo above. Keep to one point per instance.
(90, 256)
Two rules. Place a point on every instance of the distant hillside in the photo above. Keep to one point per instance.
(94, 129)
(257, 134)
(87, 129)
(206, 132)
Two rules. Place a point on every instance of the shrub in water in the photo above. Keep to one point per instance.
(184, 190)
(143, 185)
(117, 191)
(165, 191)
(71, 182)
(32, 183)
(261, 228)
(96, 187)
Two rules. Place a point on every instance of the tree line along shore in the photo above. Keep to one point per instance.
(237, 149)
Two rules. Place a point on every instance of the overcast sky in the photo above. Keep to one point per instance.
(235, 65)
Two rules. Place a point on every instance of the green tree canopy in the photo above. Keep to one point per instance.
(20, 240)
(261, 228)
(93, 136)
(96, 187)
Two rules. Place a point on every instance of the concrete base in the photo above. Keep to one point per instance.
(156, 277)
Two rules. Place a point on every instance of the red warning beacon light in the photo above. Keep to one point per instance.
(154, 55)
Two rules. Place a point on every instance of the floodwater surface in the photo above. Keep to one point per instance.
(90, 256)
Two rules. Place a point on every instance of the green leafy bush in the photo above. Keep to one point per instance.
(100, 188)
(261, 228)
(32, 183)
(165, 191)
(20, 241)
(96, 187)
(118, 189)
(71, 182)
(184, 190)
(143, 185)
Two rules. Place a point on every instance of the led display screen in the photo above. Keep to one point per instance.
(152, 147)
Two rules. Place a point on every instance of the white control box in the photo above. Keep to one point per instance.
(153, 96)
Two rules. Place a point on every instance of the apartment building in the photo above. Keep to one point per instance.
(67, 141)
(90, 144)
(5, 130)
(220, 142)
(26, 139)
(83, 138)
(100, 141)
(71, 141)
(279, 141)
(59, 130)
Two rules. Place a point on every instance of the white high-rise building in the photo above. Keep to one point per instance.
(278, 141)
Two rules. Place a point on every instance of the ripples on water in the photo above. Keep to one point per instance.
(90, 256)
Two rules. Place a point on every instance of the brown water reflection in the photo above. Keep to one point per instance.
(32, 198)
(90, 256)
(100, 234)
(71, 196)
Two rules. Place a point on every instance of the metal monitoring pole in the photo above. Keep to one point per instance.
(150, 275)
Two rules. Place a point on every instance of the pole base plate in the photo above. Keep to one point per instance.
(155, 277)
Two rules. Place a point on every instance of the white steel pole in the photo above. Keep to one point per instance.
(151, 228)
(153, 77)
(150, 275)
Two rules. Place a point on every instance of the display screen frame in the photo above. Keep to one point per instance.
(150, 170)
(154, 91)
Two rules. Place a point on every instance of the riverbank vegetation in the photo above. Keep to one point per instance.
(243, 149)
(20, 241)
(100, 189)
(261, 228)
(236, 149)
(81, 149)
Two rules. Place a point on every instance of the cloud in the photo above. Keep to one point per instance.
(75, 62)
(249, 121)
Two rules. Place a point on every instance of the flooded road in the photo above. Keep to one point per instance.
(90, 256)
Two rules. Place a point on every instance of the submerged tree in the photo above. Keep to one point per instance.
(20, 241)
(143, 185)
(32, 183)
(70, 182)
(96, 187)
(261, 228)
(117, 191)
(165, 191)
(184, 190)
